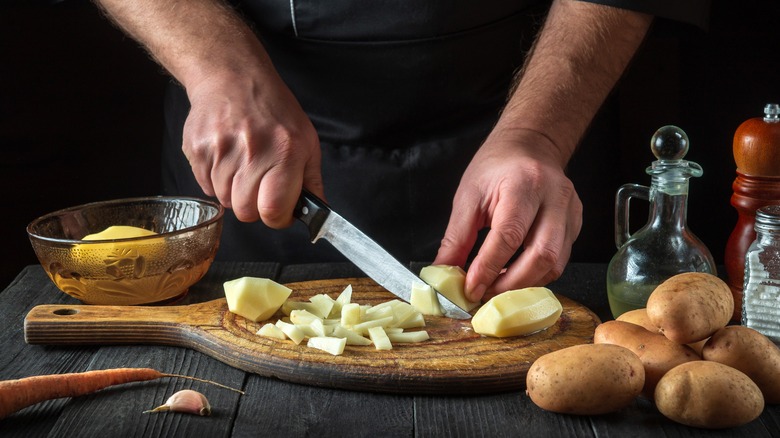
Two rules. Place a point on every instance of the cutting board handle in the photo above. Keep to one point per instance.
(65, 324)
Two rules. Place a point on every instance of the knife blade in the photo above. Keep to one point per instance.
(365, 253)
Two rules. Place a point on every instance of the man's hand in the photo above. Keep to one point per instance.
(251, 145)
(515, 186)
(527, 202)
(247, 139)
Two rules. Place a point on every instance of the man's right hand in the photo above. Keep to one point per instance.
(251, 145)
(247, 139)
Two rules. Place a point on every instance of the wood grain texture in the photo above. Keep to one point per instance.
(456, 360)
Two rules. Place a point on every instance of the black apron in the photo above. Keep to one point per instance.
(402, 93)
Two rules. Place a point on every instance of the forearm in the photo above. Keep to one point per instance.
(194, 40)
(578, 57)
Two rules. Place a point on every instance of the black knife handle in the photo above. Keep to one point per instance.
(312, 211)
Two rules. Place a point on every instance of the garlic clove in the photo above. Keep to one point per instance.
(187, 401)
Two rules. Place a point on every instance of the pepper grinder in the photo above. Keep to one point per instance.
(757, 156)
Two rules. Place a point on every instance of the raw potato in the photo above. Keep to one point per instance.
(586, 379)
(450, 282)
(256, 299)
(330, 325)
(657, 353)
(639, 317)
(691, 306)
(517, 312)
(750, 352)
(119, 232)
(425, 300)
(334, 346)
(708, 395)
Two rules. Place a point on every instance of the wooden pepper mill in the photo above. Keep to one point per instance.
(757, 155)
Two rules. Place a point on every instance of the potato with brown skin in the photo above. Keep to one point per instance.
(750, 352)
(691, 306)
(657, 353)
(639, 317)
(709, 395)
(587, 379)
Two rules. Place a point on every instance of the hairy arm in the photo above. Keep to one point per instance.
(516, 185)
(247, 139)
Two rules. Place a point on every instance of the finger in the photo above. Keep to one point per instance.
(245, 186)
(464, 224)
(199, 158)
(547, 249)
(312, 174)
(508, 230)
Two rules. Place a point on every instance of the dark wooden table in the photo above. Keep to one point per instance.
(274, 408)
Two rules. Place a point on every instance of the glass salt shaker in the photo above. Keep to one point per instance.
(665, 246)
(761, 290)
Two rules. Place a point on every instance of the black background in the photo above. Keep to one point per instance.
(81, 120)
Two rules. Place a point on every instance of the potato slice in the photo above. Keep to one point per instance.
(324, 305)
(352, 337)
(350, 314)
(380, 339)
(365, 326)
(256, 299)
(291, 330)
(450, 282)
(409, 337)
(425, 300)
(334, 346)
(517, 312)
(271, 331)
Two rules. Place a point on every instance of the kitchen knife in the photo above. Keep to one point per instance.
(372, 259)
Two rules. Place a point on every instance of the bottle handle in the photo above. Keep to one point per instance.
(622, 203)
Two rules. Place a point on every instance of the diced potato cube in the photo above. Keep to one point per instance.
(449, 281)
(294, 333)
(352, 337)
(409, 337)
(425, 300)
(271, 331)
(350, 314)
(517, 312)
(324, 305)
(334, 346)
(256, 299)
(380, 339)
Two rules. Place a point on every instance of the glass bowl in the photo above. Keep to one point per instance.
(152, 269)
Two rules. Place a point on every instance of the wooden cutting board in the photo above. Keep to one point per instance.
(456, 360)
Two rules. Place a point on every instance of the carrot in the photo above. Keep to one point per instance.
(21, 393)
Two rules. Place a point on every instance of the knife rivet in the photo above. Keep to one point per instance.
(305, 210)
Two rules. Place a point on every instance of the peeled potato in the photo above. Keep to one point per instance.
(256, 299)
(450, 282)
(517, 312)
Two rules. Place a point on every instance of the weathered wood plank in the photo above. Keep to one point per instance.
(272, 408)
